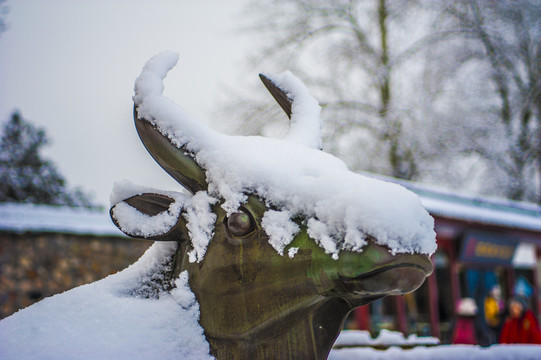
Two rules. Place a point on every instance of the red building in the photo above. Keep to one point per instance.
(482, 243)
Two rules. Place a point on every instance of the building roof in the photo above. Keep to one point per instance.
(59, 219)
(485, 210)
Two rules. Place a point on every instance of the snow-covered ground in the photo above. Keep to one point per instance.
(357, 345)
(119, 317)
(443, 352)
(386, 338)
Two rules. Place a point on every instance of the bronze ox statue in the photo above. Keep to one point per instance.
(257, 302)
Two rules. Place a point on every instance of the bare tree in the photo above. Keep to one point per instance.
(355, 54)
(4, 9)
(499, 50)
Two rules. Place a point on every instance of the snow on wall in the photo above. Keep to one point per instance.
(47, 218)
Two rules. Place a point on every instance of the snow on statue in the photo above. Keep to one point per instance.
(275, 243)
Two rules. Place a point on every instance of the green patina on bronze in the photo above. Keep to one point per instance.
(256, 303)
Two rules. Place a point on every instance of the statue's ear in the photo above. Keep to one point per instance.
(177, 162)
(150, 216)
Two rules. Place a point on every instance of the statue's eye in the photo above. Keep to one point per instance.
(240, 224)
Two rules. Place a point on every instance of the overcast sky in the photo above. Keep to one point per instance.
(69, 66)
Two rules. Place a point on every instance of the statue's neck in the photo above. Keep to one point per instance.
(305, 334)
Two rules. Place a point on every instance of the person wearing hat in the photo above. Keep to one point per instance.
(521, 327)
(464, 331)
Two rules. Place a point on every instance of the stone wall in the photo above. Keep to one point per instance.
(34, 266)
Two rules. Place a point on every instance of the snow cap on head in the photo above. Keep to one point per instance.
(340, 209)
(467, 307)
(496, 292)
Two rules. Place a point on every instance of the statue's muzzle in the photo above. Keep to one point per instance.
(401, 277)
(376, 273)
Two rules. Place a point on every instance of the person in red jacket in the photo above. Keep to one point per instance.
(521, 327)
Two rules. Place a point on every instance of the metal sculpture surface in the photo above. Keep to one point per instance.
(256, 303)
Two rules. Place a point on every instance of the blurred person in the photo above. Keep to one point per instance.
(494, 310)
(521, 326)
(464, 331)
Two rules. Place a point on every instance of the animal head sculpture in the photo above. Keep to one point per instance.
(279, 239)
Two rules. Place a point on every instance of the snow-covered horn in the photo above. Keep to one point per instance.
(299, 105)
(171, 136)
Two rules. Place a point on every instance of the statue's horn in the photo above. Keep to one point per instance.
(170, 135)
(299, 105)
